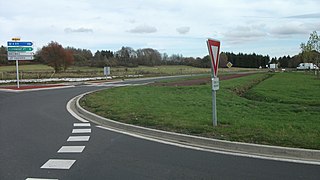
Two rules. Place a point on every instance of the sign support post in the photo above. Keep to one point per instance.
(17, 67)
(106, 71)
(214, 49)
(214, 108)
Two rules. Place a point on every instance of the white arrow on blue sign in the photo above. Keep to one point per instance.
(18, 43)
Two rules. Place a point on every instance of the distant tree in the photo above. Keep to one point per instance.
(295, 61)
(284, 61)
(223, 60)
(56, 56)
(274, 61)
(3, 55)
(148, 57)
(164, 57)
(81, 57)
(127, 57)
(67, 60)
(247, 60)
(205, 62)
(310, 50)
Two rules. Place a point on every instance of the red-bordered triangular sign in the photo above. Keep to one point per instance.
(214, 51)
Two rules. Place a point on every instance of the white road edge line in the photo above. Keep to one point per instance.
(40, 179)
(74, 114)
(210, 150)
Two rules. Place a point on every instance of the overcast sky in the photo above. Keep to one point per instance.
(268, 27)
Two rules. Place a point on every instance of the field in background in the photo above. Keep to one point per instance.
(275, 110)
(42, 71)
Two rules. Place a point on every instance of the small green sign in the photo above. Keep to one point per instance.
(20, 49)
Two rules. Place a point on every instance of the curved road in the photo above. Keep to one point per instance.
(34, 126)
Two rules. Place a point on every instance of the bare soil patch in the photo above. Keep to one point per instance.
(25, 87)
(201, 81)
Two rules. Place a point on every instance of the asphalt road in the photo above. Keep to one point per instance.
(35, 125)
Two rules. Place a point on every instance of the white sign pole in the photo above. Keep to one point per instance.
(17, 67)
(214, 108)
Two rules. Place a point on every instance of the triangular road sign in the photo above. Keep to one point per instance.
(214, 51)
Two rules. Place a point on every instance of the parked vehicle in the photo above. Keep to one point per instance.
(307, 66)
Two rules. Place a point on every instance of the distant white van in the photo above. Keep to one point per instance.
(307, 66)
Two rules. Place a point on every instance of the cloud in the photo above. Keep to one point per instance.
(292, 28)
(305, 16)
(245, 33)
(183, 30)
(142, 29)
(79, 30)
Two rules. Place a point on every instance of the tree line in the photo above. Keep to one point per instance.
(61, 58)
(129, 57)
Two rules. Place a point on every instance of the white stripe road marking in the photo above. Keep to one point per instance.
(71, 149)
(58, 164)
(81, 131)
(40, 179)
(81, 124)
(78, 138)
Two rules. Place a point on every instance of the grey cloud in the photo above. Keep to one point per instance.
(131, 21)
(79, 30)
(245, 33)
(285, 30)
(305, 16)
(142, 29)
(183, 30)
(293, 29)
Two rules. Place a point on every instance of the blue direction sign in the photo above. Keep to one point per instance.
(20, 50)
(19, 43)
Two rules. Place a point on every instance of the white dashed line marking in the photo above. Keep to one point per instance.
(78, 138)
(81, 124)
(81, 131)
(58, 164)
(71, 149)
(40, 179)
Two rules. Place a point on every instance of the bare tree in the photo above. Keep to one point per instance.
(56, 56)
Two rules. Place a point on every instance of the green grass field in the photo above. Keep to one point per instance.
(290, 88)
(35, 67)
(38, 71)
(42, 71)
(292, 123)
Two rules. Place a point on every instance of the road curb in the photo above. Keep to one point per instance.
(292, 154)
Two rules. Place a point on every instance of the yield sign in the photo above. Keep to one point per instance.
(214, 50)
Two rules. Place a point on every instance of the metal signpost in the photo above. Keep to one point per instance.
(214, 50)
(106, 71)
(19, 51)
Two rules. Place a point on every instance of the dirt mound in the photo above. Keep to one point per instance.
(201, 81)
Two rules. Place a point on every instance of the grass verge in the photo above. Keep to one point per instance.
(187, 109)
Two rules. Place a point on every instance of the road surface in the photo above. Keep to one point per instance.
(40, 139)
